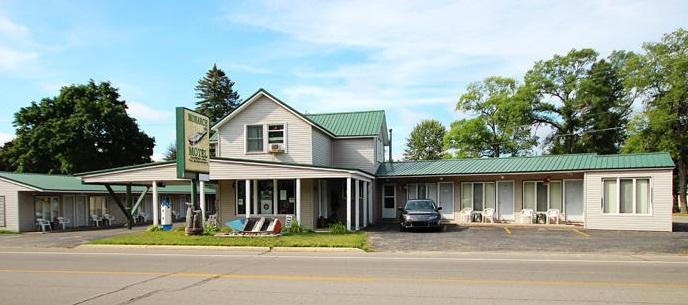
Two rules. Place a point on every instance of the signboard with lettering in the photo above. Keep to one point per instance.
(193, 143)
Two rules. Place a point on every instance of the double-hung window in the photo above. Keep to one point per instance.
(626, 196)
(254, 138)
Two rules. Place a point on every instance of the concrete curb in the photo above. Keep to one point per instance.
(173, 247)
(228, 248)
(316, 249)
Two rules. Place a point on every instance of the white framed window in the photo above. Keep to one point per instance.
(540, 196)
(478, 195)
(254, 138)
(422, 191)
(276, 134)
(626, 196)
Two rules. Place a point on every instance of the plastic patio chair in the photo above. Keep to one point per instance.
(42, 224)
(525, 216)
(553, 214)
(96, 219)
(110, 219)
(465, 215)
(488, 214)
(63, 221)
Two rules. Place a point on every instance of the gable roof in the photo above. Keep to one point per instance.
(546, 163)
(342, 124)
(350, 124)
(65, 183)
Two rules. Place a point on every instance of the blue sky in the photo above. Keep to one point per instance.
(409, 58)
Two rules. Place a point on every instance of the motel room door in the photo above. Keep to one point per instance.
(389, 208)
(446, 199)
(505, 200)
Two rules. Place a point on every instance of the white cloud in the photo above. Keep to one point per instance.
(145, 113)
(157, 156)
(17, 50)
(6, 137)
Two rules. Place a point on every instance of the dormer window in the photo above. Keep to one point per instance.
(254, 138)
(276, 134)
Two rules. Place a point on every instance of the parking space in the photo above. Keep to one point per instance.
(527, 239)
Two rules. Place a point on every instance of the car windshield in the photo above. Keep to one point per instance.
(420, 205)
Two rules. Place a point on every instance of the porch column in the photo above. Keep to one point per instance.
(357, 199)
(247, 200)
(365, 204)
(156, 205)
(274, 197)
(298, 200)
(348, 204)
(370, 202)
(201, 186)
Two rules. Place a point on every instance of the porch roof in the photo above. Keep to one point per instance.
(534, 164)
(65, 183)
(231, 168)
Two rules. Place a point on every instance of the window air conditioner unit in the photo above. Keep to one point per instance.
(276, 148)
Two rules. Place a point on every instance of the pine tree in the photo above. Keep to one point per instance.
(216, 95)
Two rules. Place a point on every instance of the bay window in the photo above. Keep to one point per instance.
(626, 196)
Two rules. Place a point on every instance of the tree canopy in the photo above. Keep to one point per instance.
(425, 141)
(502, 122)
(660, 78)
(86, 127)
(216, 95)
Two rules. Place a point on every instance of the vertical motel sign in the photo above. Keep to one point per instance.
(193, 144)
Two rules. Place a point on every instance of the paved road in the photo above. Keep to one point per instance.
(60, 239)
(147, 276)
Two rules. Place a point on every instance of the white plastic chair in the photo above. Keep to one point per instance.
(212, 220)
(63, 221)
(465, 215)
(525, 216)
(42, 224)
(110, 219)
(553, 214)
(96, 219)
(488, 214)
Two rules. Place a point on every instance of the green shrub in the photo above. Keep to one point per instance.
(338, 228)
(295, 227)
(153, 228)
(8, 232)
(210, 229)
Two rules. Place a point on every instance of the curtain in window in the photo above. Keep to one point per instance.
(529, 195)
(254, 138)
(489, 195)
(642, 200)
(610, 203)
(555, 195)
(466, 195)
(478, 196)
(626, 193)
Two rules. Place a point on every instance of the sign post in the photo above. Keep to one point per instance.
(193, 151)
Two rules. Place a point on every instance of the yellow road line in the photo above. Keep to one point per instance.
(507, 230)
(322, 278)
(581, 233)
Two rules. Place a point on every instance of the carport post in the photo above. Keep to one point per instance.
(247, 200)
(156, 206)
(358, 203)
(348, 204)
(369, 190)
(130, 218)
(202, 199)
(365, 204)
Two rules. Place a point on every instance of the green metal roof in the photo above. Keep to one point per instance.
(546, 163)
(348, 124)
(63, 183)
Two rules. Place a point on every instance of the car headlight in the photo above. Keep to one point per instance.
(407, 217)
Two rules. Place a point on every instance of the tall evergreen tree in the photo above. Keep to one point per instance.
(171, 153)
(216, 95)
(425, 141)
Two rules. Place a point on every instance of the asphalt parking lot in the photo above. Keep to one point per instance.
(60, 239)
(387, 238)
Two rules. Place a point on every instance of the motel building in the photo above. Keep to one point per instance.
(275, 161)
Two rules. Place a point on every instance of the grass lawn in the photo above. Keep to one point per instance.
(309, 239)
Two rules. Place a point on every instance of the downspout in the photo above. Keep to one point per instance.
(390, 145)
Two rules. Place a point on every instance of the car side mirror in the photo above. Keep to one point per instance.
(439, 208)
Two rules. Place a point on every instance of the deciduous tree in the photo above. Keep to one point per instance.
(425, 141)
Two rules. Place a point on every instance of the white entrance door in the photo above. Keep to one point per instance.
(389, 205)
(573, 200)
(446, 199)
(505, 200)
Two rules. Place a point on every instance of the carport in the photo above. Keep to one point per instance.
(150, 175)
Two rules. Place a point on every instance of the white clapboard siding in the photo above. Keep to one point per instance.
(662, 201)
(226, 200)
(265, 111)
(10, 191)
(238, 170)
(355, 153)
(322, 148)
